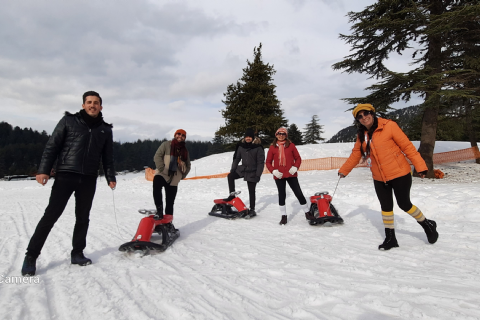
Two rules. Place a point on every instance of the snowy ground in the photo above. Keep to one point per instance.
(222, 269)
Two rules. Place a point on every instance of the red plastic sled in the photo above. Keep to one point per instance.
(141, 240)
(232, 209)
(322, 210)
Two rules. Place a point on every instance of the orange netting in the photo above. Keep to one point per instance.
(337, 162)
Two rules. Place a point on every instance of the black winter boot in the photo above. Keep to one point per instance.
(80, 259)
(29, 266)
(230, 197)
(284, 219)
(251, 213)
(430, 228)
(159, 214)
(390, 240)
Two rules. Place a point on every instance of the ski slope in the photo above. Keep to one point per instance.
(251, 269)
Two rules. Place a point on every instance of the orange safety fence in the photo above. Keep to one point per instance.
(336, 162)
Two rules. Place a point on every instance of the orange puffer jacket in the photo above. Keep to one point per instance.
(388, 149)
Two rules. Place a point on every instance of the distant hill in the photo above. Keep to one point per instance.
(405, 118)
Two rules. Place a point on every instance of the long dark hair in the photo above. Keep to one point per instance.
(361, 134)
(287, 142)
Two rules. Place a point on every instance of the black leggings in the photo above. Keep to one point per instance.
(294, 185)
(251, 188)
(401, 187)
(170, 194)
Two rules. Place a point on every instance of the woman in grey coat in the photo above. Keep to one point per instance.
(252, 155)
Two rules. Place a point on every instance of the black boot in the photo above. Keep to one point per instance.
(251, 213)
(159, 214)
(284, 219)
(390, 240)
(80, 259)
(29, 266)
(230, 197)
(430, 228)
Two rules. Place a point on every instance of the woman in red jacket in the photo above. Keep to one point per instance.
(283, 161)
(383, 145)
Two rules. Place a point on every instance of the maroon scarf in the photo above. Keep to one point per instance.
(178, 156)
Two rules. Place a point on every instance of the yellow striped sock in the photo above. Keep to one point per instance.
(416, 213)
(388, 220)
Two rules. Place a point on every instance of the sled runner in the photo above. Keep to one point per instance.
(322, 211)
(141, 240)
(230, 209)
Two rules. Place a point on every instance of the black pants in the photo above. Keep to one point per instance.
(65, 184)
(251, 188)
(294, 185)
(170, 194)
(400, 186)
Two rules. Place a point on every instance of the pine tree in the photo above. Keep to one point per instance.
(431, 26)
(217, 145)
(252, 102)
(295, 135)
(313, 131)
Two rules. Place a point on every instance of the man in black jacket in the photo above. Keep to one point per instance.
(77, 144)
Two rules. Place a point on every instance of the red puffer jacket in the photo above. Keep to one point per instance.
(388, 148)
(292, 158)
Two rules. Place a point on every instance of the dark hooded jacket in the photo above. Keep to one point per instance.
(252, 156)
(77, 147)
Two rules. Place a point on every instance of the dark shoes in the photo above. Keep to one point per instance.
(159, 214)
(284, 219)
(250, 214)
(390, 240)
(230, 197)
(430, 228)
(79, 258)
(29, 266)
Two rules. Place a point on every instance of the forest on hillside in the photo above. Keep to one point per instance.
(21, 151)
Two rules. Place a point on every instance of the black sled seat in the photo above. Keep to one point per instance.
(229, 208)
(322, 210)
(141, 240)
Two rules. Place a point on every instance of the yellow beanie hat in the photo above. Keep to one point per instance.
(362, 106)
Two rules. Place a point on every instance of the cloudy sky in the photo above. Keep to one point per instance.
(160, 65)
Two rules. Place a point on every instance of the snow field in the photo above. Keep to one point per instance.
(251, 269)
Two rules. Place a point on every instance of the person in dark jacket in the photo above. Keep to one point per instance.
(283, 161)
(252, 155)
(77, 144)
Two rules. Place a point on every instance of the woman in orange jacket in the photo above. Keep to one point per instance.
(383, 145)
(283, 161)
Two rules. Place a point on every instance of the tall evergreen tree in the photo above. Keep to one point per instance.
(313, 131)
(252, 102)
(389, 26)
(295, 135)
(217, 146)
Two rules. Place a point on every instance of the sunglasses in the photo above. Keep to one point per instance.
(181, 134)
(281, 134)
(365, 113)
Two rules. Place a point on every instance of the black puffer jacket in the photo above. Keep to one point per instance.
(78, 148)
(252, 156)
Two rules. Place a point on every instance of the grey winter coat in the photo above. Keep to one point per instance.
(253, 161)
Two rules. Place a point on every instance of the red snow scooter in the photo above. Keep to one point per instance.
(230, 209)
(141, 240)
(322, 210)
